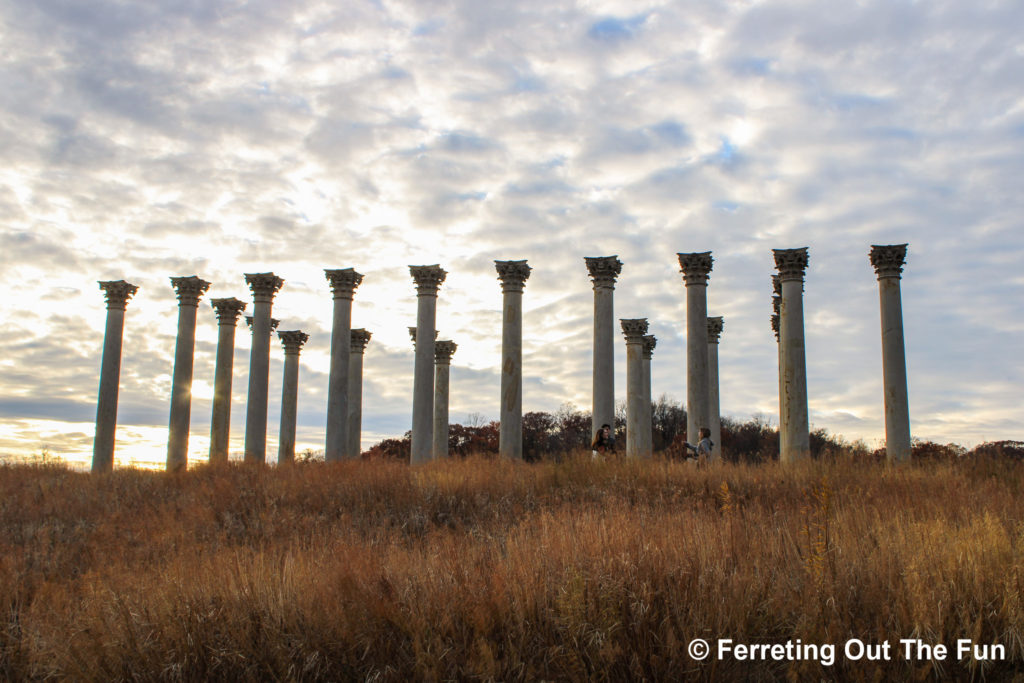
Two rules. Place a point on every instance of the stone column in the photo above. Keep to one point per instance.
(443, 351)
(650, 341)
(189, 290)
(228, 311)
(888, 261)
(513, 276)
(359, 338)
(428, 281)
(117, 293)
(603, 272)
(634, 331)
(794, 429)
(292, 340)
(264, 286)
(274, 322)
(715, 326)
(343, 284)
(695, 268)
(776, 308)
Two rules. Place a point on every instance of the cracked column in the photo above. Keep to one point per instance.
(603, 272)
(189, 290)
(359, 338)
(264, 286)
(794, 436)
(695, 268)
(776, 308)
(443, 351)
(650, 341)
(634, 330)
(292, 340)
(715, 326)
(343, 284)
(888, 261)
(117, 293)
(428, 281)
(513, 276)
(228, 311)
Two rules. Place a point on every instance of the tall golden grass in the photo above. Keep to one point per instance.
(483, 569)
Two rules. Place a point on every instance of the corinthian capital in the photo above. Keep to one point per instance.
(358, 340)
(513, 275)
(443, 351)
(634, 329)
(228, 310)
(412, 335)
(775, 325)
(428, 279)
(650, 341)
(715, 326)
(603, 270)
(888, 259)
(343, 282)
(274, 322)
(695, 267)
(791, 263)
(292, 340)
(263, 285)
(189, 289)
(117, 292)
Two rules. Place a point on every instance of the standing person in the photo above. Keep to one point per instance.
(703, 448)
(604, 442)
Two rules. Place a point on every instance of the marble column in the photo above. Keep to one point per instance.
(228, 311)
(428, 281)
(695, 268)
(189, 290)
(715, 326)
(343, 284)
(888, 261)
(634, 330)
(264, 286)
(650, 341)
(443, 351)
(776, 308)
(359, 338)
(603, 272)
(292, 340)
(117, 293)
(794, 429)
(513, 276)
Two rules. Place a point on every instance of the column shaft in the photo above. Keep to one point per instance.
(220, 422)
(695, 268)
(117, 295)
(353, 433)
(343, 283)
(603, 271)
(794, 429)
(649, 344)
(634, 329)
(428, 280)
(189, 290)
(293, 341)
(441, 376)
(888, 261)
(714, 406)
(264, 285)
(513, 275)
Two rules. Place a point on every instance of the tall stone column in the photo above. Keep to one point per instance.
(189, 290)
(603, 272)
(888, 261)
(428, 281)
(715, 326)
(443, 351)
(292, 340)
(117, 293)
(274, 322)
(776, 309)
(695, 268)
(513, 276)
(791, 264)
(228, 311)
(650, 341)
(634, 330)
(343, 284)
(359, 338)
(264, 286)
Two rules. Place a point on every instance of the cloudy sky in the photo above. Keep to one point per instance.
(144, 140)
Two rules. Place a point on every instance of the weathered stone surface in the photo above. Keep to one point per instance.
(696, 267)
(603, 272)
(443, 351)
(428, 280)
(228, 311)
(292, 340)
(117, 293)
(344, 282)
(888, 261)
(263, 286)
(794, 428)
(189, 290)
(715, 326)
(634, 330)
(360, 338)
(513, 276)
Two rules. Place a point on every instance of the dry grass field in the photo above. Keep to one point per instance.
(481, 569)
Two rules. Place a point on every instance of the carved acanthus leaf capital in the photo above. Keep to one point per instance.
(791, 263)
(358, 340)
(715, 326)
(650, 341)
(443, 351)
(776, 285)
(775, 325)
(343, 282)
(263, 285)
(189, 289)
(227, 310)
(117, 292)
(292, 340)
(888, 259)
(513, 275)
(603, 270)
(428, 279)
(274, 322)
(634, 329)
(695, 267)
(412, 335)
